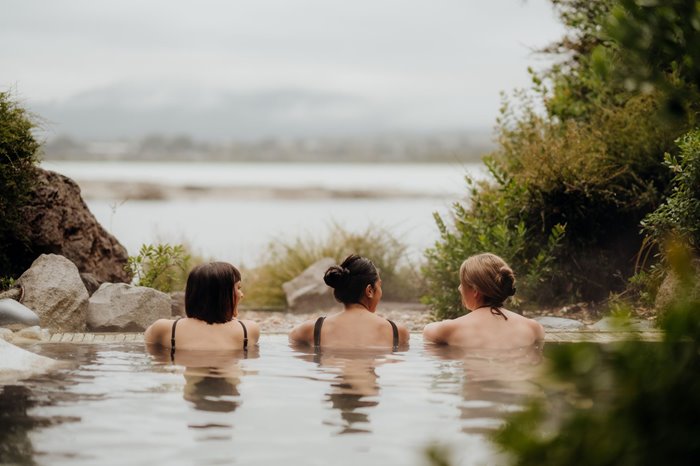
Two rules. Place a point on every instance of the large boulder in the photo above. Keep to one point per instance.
(53, 289)
(308, 292)
(58, 221)
(126, 308)
(16, 363)
(15, 316)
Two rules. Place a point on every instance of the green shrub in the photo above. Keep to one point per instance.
(679, 215)
(285, 260)
(18, 156)
(488, 225)
(632, 403)
(163, 267)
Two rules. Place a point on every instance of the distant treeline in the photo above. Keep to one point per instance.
(453, 147)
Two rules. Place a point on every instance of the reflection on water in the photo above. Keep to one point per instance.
(494, 382)
(211, 378)
(121, 404)
(354, 387)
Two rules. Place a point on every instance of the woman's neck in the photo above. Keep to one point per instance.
(352, 307)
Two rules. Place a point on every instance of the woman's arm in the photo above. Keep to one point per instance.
(253, 331)
(303, 333)
(438, 332)
(154, 333)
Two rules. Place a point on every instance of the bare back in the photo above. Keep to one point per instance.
(351, 329)
(486, 330)
(195, 334)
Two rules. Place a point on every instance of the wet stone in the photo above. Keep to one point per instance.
(612, 324)
(559, 323)
(15, 316)
(31, 333)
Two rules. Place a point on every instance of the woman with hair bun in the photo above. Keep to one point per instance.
(357, 285)
(486, 282)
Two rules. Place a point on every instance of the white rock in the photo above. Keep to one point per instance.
(127, 308)
(559, 323)
(15, 315)
(53, 289)
(30, 333)
(17, 363)
(6, 334)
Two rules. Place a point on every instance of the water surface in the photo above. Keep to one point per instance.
(118, 404)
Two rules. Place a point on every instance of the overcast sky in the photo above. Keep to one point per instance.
(260, 68)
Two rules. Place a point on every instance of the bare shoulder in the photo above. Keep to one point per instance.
(253, 330)
(439, 332)
(537, 328)
(404, 334)
(303, 333)
(156, 332)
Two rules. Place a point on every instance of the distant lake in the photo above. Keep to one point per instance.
(238, 229)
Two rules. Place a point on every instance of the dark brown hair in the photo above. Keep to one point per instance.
(350, 278)
(209, 295)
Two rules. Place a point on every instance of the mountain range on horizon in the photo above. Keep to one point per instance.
(133, 111)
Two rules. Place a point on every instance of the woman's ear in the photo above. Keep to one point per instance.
(369, 291)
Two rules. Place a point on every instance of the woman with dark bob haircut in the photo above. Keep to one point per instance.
(211, 303)
(357, 285)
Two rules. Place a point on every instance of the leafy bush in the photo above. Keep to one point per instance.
(629, 404)
(163, 267)
(488, 225)
(679, 215)
(285, 260)
(18, 156)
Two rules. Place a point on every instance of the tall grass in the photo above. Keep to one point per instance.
(286, 259)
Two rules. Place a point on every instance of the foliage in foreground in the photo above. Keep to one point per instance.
(18, 156)
(628, 404)
(163, 267)
(285, 260)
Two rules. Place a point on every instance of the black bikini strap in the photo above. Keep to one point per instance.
(245, 336)
(317, 331)
(395, 331)
(172, 340)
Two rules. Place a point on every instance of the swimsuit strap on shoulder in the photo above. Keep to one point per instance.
(245, 336)
(172, 340)
(395, 331)
(317, 331)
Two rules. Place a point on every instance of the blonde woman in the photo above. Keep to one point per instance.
(486, 282)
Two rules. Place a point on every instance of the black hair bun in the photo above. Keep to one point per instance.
(336, 276)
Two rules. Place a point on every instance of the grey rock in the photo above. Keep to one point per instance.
(177, 303)
(6, 334)
(12, 293)
(53, 289)
(613, 324)
(126, 308)
(30, 333)
(17, 363)
(559, 323)
(91, 282)
(14, 315)
(308, 292)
